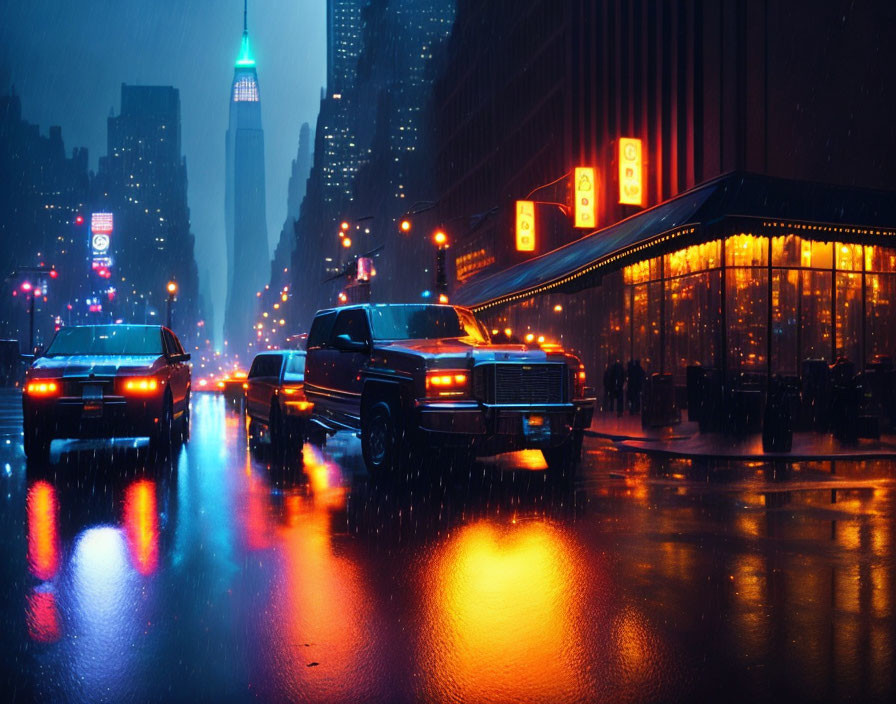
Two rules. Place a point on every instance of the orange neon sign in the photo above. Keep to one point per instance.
(631, 174)
(525, 226)
(585, 197)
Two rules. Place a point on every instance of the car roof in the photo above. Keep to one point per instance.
(373, 306)
(271, 353)
(114, 325)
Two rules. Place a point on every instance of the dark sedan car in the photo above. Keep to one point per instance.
(275, 397)
(103, 381)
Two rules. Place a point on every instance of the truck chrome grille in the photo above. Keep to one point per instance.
(520, 384)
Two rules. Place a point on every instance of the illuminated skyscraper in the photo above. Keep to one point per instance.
(244, 201)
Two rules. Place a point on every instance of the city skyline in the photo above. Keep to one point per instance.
(188, 47)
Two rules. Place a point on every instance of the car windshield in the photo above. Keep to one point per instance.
(424, 322)
(295, 368)
(107, 340)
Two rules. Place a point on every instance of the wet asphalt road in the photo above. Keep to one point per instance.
(217, 576)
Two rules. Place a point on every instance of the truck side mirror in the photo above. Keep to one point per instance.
(344, 343)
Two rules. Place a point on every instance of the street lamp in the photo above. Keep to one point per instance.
(172, 291)
(405, 226)
(441, 240)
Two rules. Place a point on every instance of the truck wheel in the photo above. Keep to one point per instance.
(378, 438)
(37, 444)
(563, 460)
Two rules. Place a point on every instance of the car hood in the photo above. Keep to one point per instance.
(463, 348)
(100, 365)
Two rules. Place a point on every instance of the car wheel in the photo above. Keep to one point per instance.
(277, 428)
(37, 444)
(378, 438)
(563, 460)
(185, 420)
(161, 439)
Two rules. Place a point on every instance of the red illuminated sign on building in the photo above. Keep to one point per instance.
(101, 223)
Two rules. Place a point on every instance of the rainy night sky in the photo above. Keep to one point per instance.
(67, 60)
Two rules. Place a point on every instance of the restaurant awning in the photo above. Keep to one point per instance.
(689, 219)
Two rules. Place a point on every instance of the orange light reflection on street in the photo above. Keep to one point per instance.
(43, 530)
(320, 599)
(141, 522)
(42, 617)
(501, 600)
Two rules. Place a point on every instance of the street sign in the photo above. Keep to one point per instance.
(631, 186)
(525, 226)
(585, 197)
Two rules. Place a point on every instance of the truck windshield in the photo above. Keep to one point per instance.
(424, 322)
(107, 340)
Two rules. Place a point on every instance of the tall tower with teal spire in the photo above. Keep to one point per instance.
(244, 202)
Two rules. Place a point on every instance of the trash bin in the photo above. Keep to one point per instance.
(658, 408)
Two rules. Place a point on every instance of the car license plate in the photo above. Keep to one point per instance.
(92, 396)
(536, 428)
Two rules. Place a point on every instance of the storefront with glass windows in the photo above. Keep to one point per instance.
(733, 276)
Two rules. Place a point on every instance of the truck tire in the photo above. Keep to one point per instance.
(378, 444)
(563, 460)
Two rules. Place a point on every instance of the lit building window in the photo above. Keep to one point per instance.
(245, 90)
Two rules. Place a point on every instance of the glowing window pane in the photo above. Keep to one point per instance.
(245, 90)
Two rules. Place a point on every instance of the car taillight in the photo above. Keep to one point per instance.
(141, 385)
(447, 382)
(42, 388)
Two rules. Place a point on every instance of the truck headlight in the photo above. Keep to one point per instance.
(447, 382)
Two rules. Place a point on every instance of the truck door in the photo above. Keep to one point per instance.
(319, 360)
(347, 364)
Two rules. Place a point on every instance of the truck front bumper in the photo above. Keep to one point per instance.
(501, 428)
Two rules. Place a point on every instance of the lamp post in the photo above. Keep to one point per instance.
(441, 241)
(172, 292)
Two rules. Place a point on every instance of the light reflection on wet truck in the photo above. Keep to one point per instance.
(409, 377)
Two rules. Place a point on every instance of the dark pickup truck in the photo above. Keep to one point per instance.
(408, 377)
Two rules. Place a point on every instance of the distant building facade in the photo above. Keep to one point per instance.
(244, 203)
(370, 162)
(142, 183)
(43, 193)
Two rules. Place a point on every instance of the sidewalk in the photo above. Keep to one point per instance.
(685, 440)
(628, 427)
